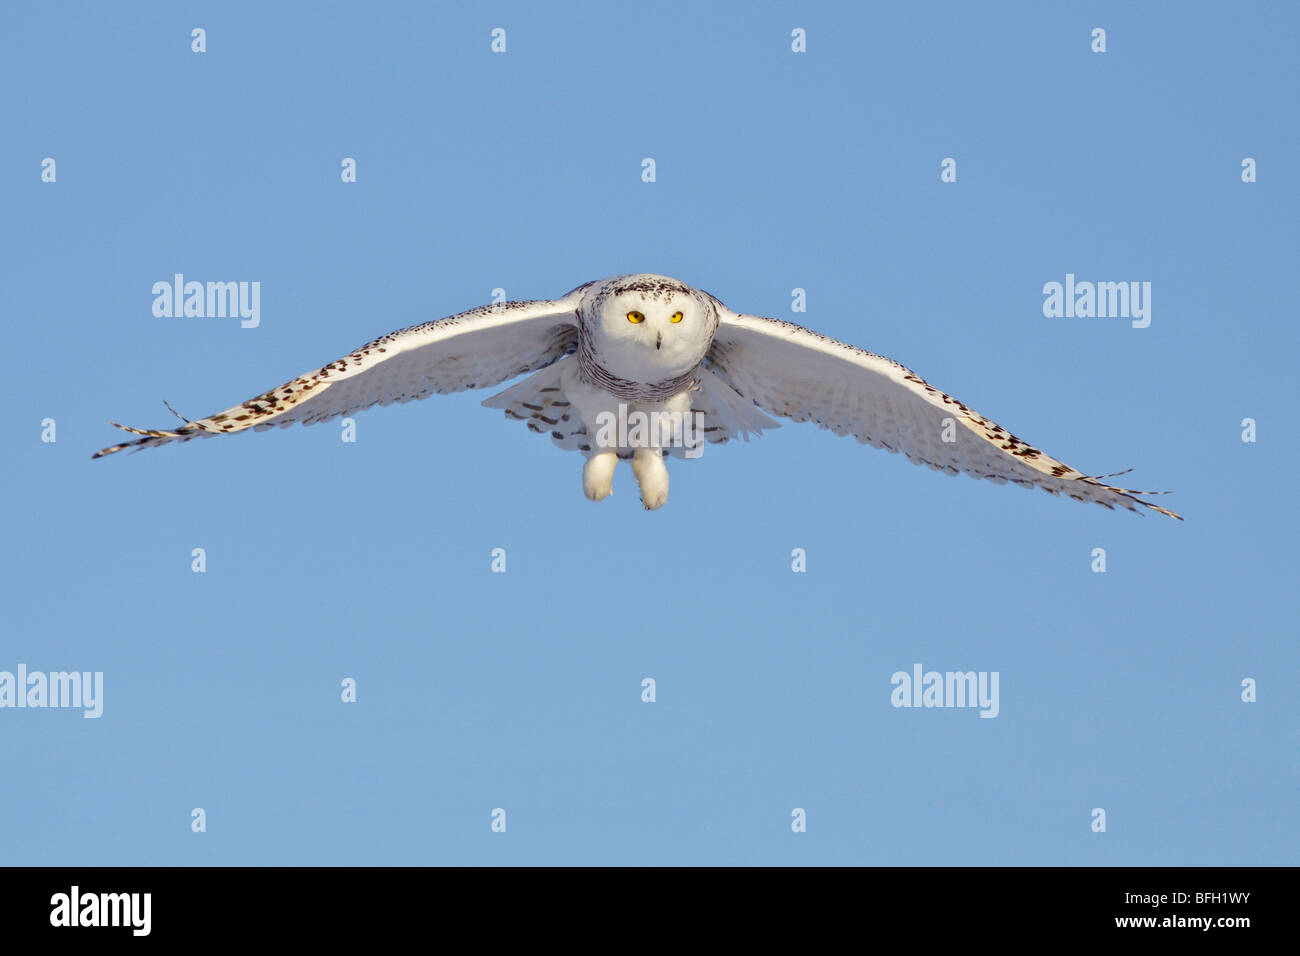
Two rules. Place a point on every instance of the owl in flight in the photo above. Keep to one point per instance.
(643, 367)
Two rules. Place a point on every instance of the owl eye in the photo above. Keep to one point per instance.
(676, 317)
(635, 317)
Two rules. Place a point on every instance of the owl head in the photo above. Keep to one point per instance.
(647, 328)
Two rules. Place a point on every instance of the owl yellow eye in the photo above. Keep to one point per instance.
(635, 317)
(677, 317)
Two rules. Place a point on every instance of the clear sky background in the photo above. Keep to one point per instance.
(775, 170)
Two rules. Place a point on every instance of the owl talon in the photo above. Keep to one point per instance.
(652, 476)
(598, 475)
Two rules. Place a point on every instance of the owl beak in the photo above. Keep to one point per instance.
(659, 339)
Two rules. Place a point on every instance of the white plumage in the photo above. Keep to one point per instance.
(655, 347)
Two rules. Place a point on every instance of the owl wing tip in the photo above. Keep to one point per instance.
(1164, 511)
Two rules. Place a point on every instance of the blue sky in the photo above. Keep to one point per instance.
(775, 170)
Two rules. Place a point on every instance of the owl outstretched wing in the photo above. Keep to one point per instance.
(796, 373)
(475, 349)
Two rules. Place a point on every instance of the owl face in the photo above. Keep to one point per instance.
(649, 328)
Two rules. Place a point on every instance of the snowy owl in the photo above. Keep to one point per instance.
(644, 367)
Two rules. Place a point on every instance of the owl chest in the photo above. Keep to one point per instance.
(629, 373)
